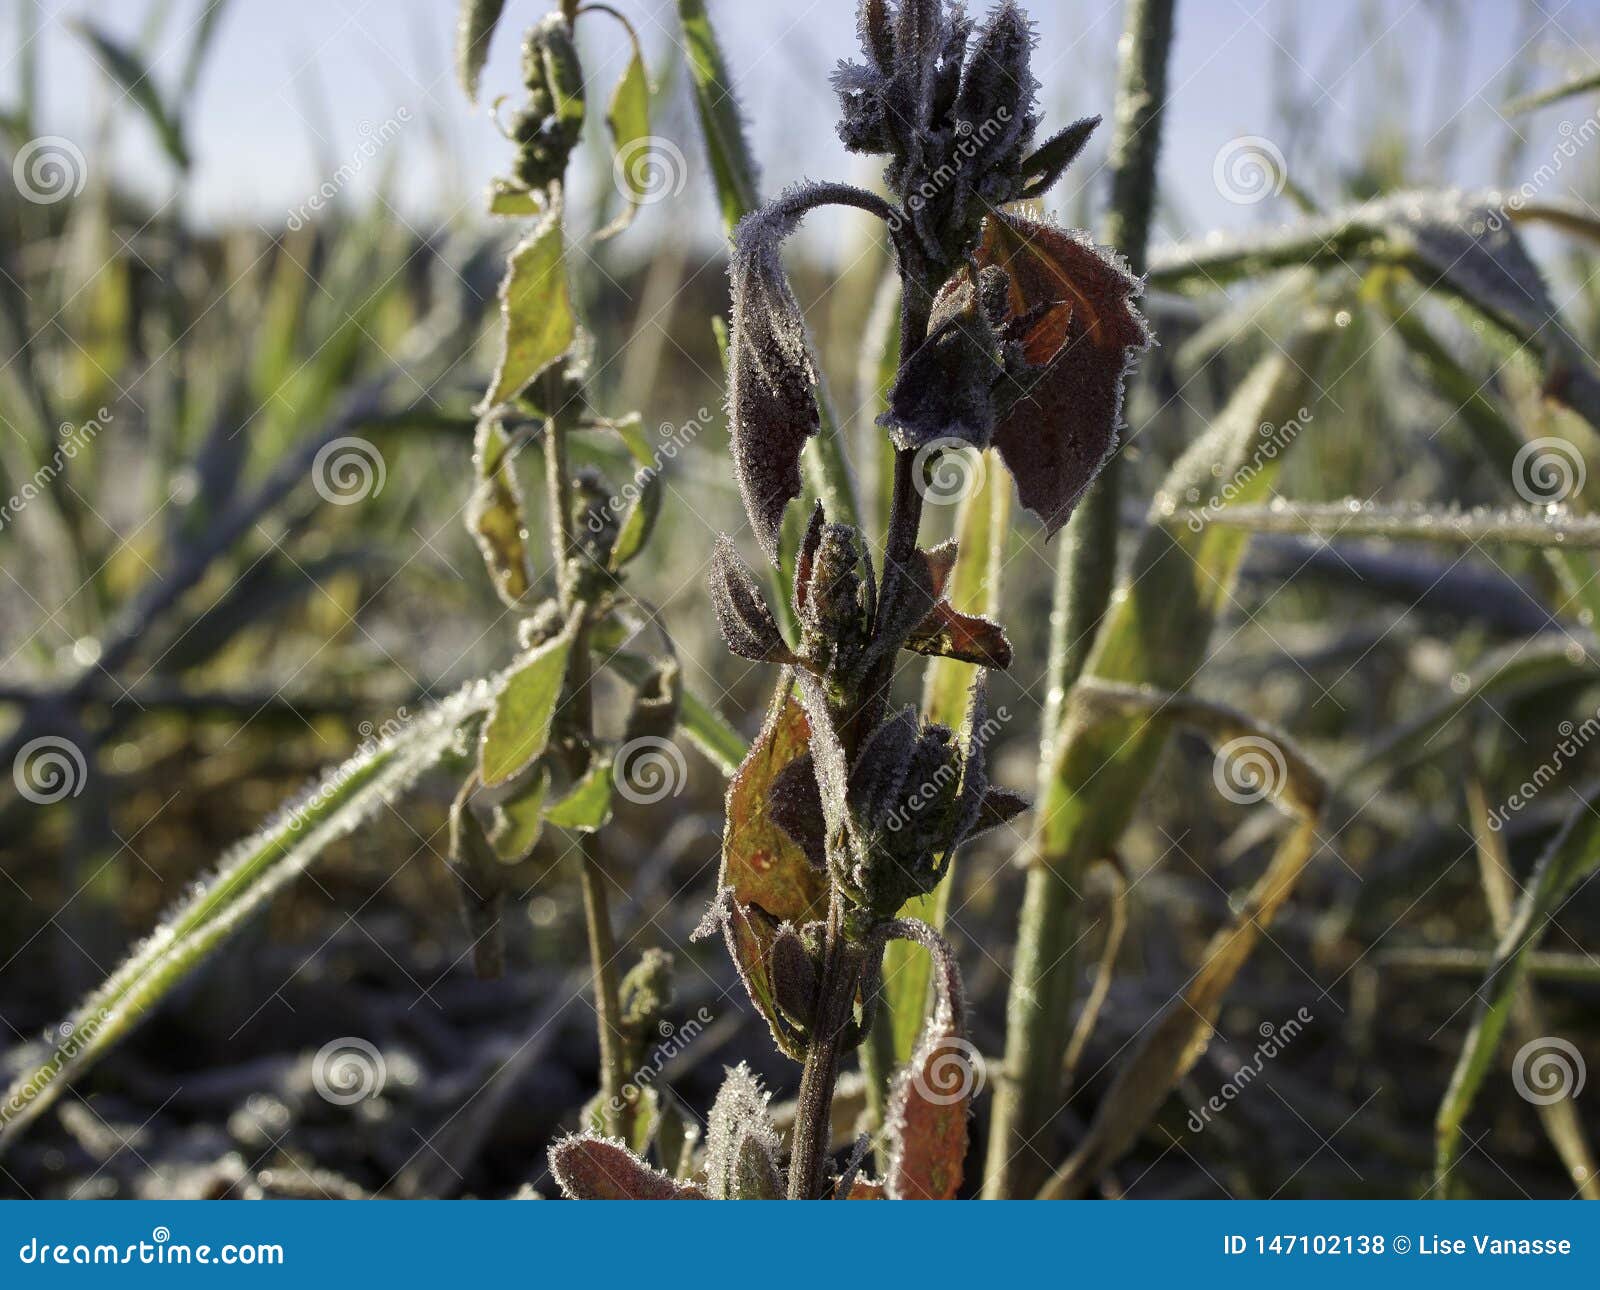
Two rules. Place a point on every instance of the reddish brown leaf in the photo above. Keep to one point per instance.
(867, 1189)
(766, 874)
(928, 1114)
(590, 1168)
(1070, 305)
(968, 637)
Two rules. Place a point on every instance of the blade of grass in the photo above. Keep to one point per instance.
(257, 869)
(1355, 518)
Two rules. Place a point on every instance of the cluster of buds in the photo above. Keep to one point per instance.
(547, 126)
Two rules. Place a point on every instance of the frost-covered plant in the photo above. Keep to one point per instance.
(1014, 334)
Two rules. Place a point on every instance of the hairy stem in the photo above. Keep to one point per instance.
(616, 1113)
(1038, 1009)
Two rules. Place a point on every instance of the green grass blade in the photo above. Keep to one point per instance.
(129, 71)
(257, 869)
(1572, 856)
(1355, 518)
(733, 170)
(1584, 83)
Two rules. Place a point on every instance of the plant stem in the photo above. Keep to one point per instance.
(616, 1112)
(1039, 1005)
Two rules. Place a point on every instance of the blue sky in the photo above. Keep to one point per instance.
(290, 79)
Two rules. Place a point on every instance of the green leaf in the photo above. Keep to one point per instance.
(640, 520)
(475, 26)
(519, 819)
(514, 201)
(255, 870)
(1572, 856)
(1157, 630)
(536, 310)
(628, 121)
(495, 514)
(982, 524)
(733, 170)
(128, 69)
(518, 730)
(587, 807)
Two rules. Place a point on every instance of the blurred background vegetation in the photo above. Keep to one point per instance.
(198, 317)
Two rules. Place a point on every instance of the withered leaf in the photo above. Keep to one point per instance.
(768, 878)
(1072, 314)
(591, 1168)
